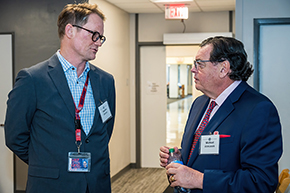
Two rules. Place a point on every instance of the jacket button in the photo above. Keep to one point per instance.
(87, 140)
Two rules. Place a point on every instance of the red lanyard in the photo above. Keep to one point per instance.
(78, 110)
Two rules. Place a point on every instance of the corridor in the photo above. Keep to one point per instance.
(176, 116)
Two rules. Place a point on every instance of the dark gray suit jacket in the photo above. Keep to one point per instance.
(39, 129)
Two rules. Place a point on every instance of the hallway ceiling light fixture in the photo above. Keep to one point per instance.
(176, 11)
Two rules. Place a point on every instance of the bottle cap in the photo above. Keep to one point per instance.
(171, 150)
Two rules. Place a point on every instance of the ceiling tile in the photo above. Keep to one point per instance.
(146, 6)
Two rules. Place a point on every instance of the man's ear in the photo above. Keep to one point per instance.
(69, 31)
(225, 69)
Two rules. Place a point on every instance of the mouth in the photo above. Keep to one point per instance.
(95, 50)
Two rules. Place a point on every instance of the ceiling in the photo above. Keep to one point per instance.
(147, 6)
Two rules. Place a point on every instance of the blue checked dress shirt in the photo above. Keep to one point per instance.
(76, 85)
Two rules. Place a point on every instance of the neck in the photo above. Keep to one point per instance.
(79, 64)
(223, 86)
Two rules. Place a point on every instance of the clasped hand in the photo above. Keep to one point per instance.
(183, 176)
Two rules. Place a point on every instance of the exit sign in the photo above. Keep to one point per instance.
(176, 11)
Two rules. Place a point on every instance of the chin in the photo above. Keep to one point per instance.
(198, 88)
(92, 57)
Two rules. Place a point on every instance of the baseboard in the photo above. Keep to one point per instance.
(19, 191)
(120, 173)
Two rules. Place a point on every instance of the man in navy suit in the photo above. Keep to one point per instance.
(60, 113)
(241, 143)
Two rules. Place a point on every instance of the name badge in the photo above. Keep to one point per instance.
(209, 144)
(79, 161)
(105, 111)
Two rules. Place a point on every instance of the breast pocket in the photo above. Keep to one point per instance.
(229, 153)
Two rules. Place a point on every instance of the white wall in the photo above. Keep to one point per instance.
(113, 57)
(153, 26)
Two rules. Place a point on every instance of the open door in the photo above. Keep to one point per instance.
(153, 103)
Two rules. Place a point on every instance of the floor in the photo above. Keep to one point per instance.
(142, 180)
(176, 115)
(154, 179)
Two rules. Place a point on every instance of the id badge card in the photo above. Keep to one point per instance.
(79, 162)
(209, 144)
(105, 111)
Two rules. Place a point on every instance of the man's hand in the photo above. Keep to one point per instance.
(184, 176)
(164, 155)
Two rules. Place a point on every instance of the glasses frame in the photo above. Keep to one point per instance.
(101, 37)
(196, 64)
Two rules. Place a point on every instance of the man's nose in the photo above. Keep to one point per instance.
(193, 69)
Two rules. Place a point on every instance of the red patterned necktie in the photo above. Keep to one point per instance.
(201, 127)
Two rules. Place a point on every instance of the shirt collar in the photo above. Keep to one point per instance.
(224, 95)
(66, 65)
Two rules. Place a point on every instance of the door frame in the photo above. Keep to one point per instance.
(13, 81)
(257, 26)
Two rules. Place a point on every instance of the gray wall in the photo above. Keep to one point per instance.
(34, 25)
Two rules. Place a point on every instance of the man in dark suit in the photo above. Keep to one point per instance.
(237, 146)
(60, 113)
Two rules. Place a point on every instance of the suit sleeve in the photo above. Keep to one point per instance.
(260, 150)
(21, 106)
(112, 103)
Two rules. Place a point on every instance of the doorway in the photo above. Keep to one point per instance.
(180, 90)
(271, 38)
(150, 125)
(163, 124)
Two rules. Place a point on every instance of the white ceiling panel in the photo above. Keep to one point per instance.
(146, 6)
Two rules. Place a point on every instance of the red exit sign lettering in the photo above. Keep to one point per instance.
(176, 11)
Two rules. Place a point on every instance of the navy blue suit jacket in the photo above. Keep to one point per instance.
(247, 160)
(39, 129)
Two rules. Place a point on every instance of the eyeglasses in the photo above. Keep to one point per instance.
(96, 35)
(199, 63)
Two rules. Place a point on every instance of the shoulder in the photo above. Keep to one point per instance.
(94, 70)
(255, 96)
(247, 99)
(248, 93)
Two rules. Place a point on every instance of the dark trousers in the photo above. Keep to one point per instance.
(87, 191)
(169, 189)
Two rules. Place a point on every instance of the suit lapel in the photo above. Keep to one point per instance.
(96, 87)
(193, 121)
(223, 112)
(57, 75)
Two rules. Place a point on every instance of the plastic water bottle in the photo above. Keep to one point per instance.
(176, 158)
